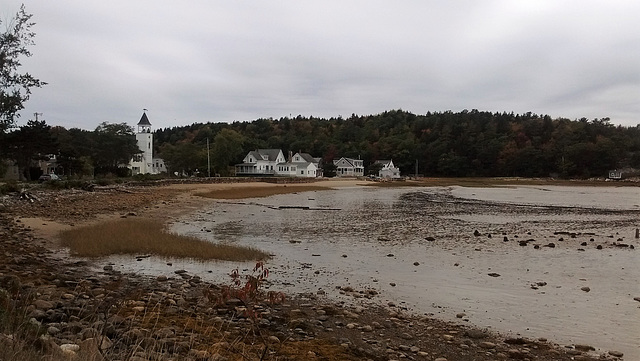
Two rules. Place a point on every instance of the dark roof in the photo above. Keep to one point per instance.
(144, 120)
(272, 154)
(307, 157)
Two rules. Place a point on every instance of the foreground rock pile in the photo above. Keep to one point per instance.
(66, 311)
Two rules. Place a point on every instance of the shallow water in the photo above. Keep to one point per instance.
(367, 237)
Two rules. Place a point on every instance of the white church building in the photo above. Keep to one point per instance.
(144, 162)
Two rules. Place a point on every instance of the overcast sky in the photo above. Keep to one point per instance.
(222, 61)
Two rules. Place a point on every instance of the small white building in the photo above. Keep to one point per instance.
(388, 170)
(349, 167)
(144, 162)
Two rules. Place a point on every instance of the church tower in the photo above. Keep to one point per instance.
(142, 163)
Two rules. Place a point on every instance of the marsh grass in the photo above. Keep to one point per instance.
(138, 236)
(258, 192)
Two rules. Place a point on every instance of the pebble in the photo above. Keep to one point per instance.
(585, 289)
(616, 353)
(488, 345)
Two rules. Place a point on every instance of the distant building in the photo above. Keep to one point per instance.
(260, 162)
(301, 165)
(388, 170)
(272, 162)
(623, 173)
(349, 167)
(144, 162)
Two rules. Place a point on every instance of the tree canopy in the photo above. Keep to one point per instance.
(15, 86)
(466, 143)
(462, 144)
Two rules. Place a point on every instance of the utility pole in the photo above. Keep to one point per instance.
(208, 159)
(36, 114)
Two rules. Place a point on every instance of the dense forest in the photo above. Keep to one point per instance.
(462, 144)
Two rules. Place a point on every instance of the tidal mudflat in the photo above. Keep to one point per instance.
(555, 262)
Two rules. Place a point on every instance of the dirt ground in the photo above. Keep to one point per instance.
(305, 327)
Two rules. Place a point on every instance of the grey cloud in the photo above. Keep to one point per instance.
(241, 60)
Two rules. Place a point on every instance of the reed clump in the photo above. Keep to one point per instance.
(259, 192)
(138, 236)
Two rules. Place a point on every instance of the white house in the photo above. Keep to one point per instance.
(300, 165)
(260, 162)
(145, 163)
(348, 167)
(272, 162)
(388, 170)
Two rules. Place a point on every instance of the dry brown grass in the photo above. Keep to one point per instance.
(259, 191)
(138, 236)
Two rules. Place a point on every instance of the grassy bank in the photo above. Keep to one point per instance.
(136, 236)
(258, 191)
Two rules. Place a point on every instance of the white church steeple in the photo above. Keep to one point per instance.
(144, 163)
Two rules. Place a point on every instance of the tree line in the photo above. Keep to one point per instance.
(456, 144)
(459, 144)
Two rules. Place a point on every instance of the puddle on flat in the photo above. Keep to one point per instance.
(374, 237)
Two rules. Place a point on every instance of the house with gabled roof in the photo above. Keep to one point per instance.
(301, 165)
(272, 162)
(388, 169)
(260, 162)
(349, 167)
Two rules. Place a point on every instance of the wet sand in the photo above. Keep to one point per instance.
(371, 238)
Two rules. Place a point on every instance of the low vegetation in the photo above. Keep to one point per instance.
(138, 236)
(258, 192)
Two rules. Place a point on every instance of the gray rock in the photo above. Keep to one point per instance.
(616, 353)
(43, 304)
(584, 348)
(475, 334)
(487, 345)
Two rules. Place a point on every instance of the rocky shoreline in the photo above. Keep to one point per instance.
(110, 315)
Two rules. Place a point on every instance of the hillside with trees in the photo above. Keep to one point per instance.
(462, 144)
